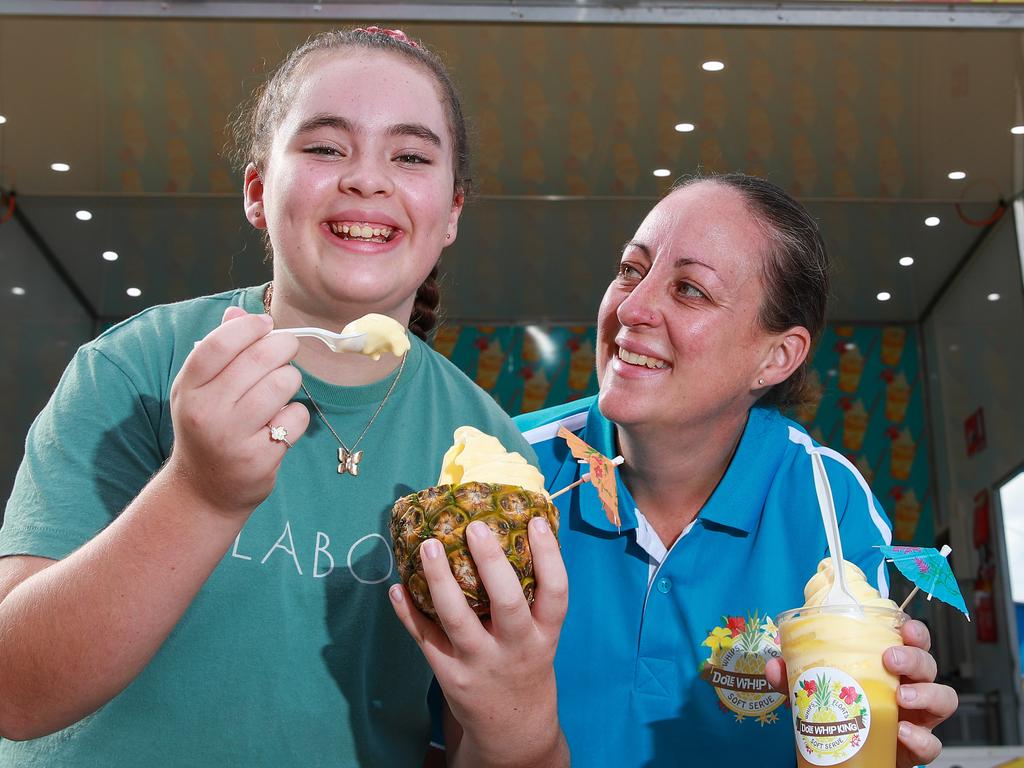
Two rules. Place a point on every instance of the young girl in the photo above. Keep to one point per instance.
(194, 558)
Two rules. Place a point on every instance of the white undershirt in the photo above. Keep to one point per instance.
(650, 542)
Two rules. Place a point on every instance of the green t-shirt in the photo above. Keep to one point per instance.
(290, 655)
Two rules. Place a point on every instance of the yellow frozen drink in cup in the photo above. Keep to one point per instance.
(843, 699)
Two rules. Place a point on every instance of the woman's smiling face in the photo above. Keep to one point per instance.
(679, 342)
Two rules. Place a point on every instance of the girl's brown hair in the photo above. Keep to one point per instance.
(258, 119)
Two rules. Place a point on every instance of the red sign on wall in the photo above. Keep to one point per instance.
(974, 432)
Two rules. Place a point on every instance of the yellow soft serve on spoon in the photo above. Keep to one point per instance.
(380, 334)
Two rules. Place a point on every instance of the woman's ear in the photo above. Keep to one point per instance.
(252, 192)
(787, 352)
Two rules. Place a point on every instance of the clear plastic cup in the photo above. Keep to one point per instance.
(843, 699)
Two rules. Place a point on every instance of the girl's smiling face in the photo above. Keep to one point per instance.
(358, 192)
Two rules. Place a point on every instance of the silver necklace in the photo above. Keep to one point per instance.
(348, 458)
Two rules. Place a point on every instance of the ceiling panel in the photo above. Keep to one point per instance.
(514, 259)
(862, 124)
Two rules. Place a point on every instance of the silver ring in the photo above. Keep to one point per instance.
(279, 435)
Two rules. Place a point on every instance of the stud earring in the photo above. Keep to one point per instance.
(448, 236)
(760, 382)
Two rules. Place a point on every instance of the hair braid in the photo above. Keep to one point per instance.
(424, 311)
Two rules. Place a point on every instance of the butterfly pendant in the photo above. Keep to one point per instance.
(349, 462)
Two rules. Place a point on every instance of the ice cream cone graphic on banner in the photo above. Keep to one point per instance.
(581, 363)
(492, 357)
(535, 391)
(865, 469)
(446, 338)
(805, 412)
(530, 352)
(901, 459)
(897, 396)
(893, 339)
(907, 514)
(855, 425)
(851, 366)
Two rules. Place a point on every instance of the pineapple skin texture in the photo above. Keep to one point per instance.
(443, 512)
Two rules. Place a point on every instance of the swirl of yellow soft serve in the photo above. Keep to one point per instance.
(480, 458)
(818, 587)
(383, 334)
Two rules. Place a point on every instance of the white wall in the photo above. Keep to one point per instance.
(975, 357)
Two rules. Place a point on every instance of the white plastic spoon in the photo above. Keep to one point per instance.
(338, 342)
(839, 594)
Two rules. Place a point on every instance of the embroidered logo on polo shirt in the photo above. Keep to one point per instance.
(739, 650)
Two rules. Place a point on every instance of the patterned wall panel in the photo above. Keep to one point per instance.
(871, 406)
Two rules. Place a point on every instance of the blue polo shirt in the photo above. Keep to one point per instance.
(661, 658)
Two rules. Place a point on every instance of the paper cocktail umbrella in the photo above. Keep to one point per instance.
(929, 571)
(601, 474)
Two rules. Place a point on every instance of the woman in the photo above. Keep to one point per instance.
(194, 568)
(702, 336)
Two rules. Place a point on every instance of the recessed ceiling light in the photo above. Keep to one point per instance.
(906, 261)
(2, 119)
(956, 175)
(1017, 130)
(18, 290)
(134, 292)
(993, 297)
(662, 172)
(83, 215)
(60, 167)
(932, 221)
(685, 127)
(110, 255)
(713, 66)
(884, 296)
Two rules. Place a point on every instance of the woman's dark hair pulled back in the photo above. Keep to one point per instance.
(796, 271)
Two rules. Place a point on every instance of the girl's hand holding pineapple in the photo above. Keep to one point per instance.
(488, 668)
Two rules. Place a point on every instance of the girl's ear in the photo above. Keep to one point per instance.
(252, 192)
(458, 201)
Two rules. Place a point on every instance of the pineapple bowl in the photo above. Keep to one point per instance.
(443, 512)
(479, 480)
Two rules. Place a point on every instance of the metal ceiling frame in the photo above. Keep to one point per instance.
(49, 255)
(809, 13)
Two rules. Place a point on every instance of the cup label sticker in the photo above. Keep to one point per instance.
(831, 716)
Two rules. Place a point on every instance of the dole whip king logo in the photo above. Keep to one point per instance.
(739, 650)
(831, 714)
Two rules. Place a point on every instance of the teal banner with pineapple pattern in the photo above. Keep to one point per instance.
(868, 379)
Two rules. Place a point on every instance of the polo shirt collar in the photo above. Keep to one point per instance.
(738, 499)
(735, 503)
